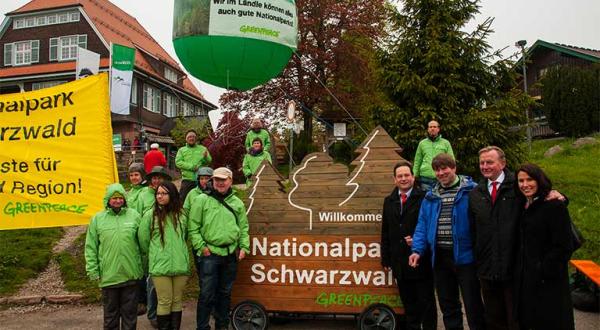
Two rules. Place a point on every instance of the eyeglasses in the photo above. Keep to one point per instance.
(162, 194)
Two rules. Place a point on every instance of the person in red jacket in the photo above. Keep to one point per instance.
(154, 157)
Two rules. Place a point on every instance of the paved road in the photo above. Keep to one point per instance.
(90, 317)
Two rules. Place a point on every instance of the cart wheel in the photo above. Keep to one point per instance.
(249, 315)
(377, 316)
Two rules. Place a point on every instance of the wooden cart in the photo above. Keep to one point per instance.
(315, 246)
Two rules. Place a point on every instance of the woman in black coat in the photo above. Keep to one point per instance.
(543, 295)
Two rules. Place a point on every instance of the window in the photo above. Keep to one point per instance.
(188, 108)
(170, 75)
(171, 105)
(151, 99)
(134, 91)
(65, 48)
(46, 84)
(22, 52)
(32, 21)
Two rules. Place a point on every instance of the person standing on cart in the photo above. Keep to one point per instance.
(400, 215)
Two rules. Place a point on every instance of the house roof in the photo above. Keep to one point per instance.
(116, 26)
(591, 55)
(44, 68)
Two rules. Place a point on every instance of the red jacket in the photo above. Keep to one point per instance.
(154, 158)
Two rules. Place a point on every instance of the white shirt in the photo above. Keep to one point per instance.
(407, 193)
(500, 179)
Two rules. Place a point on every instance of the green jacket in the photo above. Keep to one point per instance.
(212, 225)
(426, 151)
(189, 159)
(251, 164)
(263, 134)
(187, 204)
(133, 198)
(112, 253)
(146, 200)
(172, 258)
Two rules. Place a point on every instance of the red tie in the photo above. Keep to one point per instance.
(494, 191)
(403, 198)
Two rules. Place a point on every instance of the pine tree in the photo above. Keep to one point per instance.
(433, 69)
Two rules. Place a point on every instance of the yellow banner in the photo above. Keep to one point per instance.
(56, 154)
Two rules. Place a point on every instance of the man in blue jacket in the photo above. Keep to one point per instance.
(443, 229)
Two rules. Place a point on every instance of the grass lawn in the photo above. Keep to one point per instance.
(25, 253)
(72, 267)
(576, 173)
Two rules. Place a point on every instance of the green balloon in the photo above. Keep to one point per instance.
(235, 44)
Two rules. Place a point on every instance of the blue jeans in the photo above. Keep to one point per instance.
(215, 276)
(427, 183)
(152, 300)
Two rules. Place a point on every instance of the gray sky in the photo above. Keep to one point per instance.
(574, 22)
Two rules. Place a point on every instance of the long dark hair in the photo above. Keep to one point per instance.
(535, 172)
(161, 212)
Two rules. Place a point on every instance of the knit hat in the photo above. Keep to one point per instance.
(137, 167)
(204, 171)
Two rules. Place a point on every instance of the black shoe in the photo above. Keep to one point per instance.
(164, 322)
(175, 320)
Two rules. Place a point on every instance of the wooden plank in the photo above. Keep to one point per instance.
(292, 305)
(589, 268)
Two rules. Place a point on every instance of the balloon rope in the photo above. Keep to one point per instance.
(334, 97)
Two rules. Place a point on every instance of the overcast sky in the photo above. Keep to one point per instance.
(573, 22)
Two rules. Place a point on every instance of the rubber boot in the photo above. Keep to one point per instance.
(175, 320)
(164, 322)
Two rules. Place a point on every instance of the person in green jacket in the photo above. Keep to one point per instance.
(189, 159)
(162, 235)
(136, 177)
(147, 197)
(203, 177)
(218, 230)
(112, 257)
(427, 149)
(253, 159)
(257, 131)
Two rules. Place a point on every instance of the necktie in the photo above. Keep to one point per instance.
(494, 191)
(403, 198)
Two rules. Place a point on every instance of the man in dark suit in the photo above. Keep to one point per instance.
(400, 214)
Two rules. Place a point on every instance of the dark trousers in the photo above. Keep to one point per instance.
(215, 276)
(498, 301)
(141, 287)
(419, 303)
(120, 307)
(449, 279)
(186, 187)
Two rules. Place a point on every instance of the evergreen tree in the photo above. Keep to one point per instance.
(433, 69)
(571, 99)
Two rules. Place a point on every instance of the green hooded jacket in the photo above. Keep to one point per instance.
(189, 159)
(251, 164)
(263, 134)
(112, 252)
(212, 225)
(133, 197)
(172, 258)
(187, 204)
(426, 151)
(146, 200)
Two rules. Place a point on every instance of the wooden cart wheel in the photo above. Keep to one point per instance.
(377, 316)
(249, 315)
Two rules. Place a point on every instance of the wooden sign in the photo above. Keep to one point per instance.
(315, 246)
